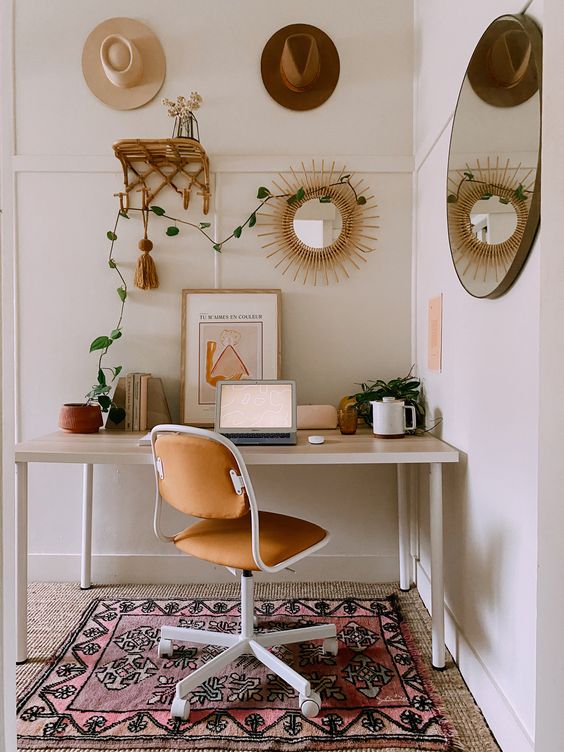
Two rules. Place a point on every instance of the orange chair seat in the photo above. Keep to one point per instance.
(228, 542)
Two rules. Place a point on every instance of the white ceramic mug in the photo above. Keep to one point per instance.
(389, 418)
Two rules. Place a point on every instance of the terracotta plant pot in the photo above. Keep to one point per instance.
(75, 417)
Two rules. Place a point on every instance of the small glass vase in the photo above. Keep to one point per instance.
(186, 128)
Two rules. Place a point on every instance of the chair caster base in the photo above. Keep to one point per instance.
(330, 646)
(180, 709)
(310, 705)
(165, 649)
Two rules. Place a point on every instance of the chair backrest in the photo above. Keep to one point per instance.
(195, 475)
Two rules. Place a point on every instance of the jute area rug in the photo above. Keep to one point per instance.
(95, 681)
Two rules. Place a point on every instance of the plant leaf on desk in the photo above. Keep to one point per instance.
(122, 293)
(116, 414)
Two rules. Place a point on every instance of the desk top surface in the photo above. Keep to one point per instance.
(121, 448)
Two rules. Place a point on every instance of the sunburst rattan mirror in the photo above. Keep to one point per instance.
(322, 224)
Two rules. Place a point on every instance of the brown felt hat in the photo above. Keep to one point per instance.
(300, 66)
(503, 70)
(123, 63)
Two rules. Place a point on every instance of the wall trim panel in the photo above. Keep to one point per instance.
(178, 569)
(218, 163)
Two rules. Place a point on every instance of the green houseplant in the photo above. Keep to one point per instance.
(406, 388)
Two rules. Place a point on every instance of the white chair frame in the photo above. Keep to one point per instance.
(248, 640)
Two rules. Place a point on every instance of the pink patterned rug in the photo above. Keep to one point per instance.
(107, 688)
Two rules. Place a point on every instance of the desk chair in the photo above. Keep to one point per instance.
(203, 474)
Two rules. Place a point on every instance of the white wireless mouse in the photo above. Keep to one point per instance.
(316, 439)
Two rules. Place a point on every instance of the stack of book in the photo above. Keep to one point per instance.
(143, 398)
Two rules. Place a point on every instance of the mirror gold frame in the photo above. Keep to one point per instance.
(355, 240)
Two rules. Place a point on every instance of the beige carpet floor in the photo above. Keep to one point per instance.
(54, 609)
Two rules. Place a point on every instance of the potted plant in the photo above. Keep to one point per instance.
(86, 417)
(406, 388)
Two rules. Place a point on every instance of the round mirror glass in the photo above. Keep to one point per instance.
(493, 221)
(317, 224)
(493, 185)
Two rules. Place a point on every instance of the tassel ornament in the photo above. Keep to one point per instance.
(146, 277)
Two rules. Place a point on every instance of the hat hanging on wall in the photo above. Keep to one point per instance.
(123, 63)
(300, 66)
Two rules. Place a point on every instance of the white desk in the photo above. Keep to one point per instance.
(121, 448)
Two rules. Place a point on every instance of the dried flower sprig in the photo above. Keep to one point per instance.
(183, 107)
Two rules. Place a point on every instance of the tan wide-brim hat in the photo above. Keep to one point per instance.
(123, 63)
(502, 70)
(300, 67)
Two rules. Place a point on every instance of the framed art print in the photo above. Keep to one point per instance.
(226, 335)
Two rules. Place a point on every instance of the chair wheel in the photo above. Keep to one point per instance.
(165, 648)
(311, 705)
(330, 646)
(180, 709)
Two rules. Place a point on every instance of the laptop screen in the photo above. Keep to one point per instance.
(251, 405)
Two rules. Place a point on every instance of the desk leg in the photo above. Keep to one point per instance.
(21, 562)
(403, 527)
(437, 575)
(86, 553)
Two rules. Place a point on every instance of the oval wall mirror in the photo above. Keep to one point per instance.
(493, 185)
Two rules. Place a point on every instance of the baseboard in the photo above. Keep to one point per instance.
(509, 731)
(179, 569)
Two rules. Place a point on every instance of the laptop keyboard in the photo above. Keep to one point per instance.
(258, 435)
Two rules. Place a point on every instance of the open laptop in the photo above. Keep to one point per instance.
(256, 412)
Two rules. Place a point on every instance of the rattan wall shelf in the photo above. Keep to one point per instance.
(149, 165)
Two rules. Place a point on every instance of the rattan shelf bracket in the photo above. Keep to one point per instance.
(149, 165)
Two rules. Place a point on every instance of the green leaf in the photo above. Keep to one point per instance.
(503, 200)
(292, 199)
(263, 192)
(519, 193)
(252, 220)
(300, 194)
(469, 175)
(100, 343)
(111, 235)
(486, 196)
(123, 214)
(237, 232)
(112, 264)
(105, 402)
(97, 390)
(101, 377)
(171, 231)
(344, 178)
(217, 247)
(361, 200)
(121, 291)
(325, 199)
(451, 198)
(116, 415)
(116, 333)
(204, 225)
(158, 210)
(117, 371)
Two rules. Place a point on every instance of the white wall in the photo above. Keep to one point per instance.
(488, 397)
(550, 601)
(66, 176)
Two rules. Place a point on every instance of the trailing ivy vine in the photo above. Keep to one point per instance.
(106, 375)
